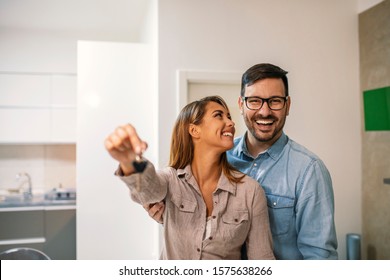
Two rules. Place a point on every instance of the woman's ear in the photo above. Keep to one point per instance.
(194, 130)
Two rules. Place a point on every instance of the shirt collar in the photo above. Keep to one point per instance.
(274, 151)
(223, 182)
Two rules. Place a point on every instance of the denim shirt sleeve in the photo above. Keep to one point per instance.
(316, 236)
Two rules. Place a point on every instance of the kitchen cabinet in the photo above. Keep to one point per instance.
(60, 234)
(49, 229)
(22, 229)
(37, 108)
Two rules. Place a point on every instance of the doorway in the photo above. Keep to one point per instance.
(194, 85)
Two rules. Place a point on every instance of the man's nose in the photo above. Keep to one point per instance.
(264, 109)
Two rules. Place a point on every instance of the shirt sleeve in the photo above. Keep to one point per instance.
(148, 186)
(315, 214)
(259, 242)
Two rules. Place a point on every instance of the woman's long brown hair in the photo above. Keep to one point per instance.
(182, 146)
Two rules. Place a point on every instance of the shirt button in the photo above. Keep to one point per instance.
(214, 217)
(211, 238)
(274, 203)
(198, 250)
(236, 220)
(255, 164)
(182, 206)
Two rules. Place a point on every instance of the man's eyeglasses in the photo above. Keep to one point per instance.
(274, 103)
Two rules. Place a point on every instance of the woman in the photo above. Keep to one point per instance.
(212, 210)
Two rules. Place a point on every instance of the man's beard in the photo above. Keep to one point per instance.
(264, 137)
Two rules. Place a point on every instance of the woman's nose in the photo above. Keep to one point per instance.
(230, 122)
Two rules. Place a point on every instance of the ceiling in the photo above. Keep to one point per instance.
(74, 15)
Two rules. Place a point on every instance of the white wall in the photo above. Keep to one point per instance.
(42, 35)
(37, 51)
(316, 41)
(50, 51)
(366, 4)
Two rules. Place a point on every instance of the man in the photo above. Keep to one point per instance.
(297, 184)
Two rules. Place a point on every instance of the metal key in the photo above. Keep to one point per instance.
(139, 164)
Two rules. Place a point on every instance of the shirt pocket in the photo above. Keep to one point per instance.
(183, 205)
(235, 224)
(180, 223)
(281, 213)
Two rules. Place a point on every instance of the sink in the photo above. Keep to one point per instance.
(19, 200)
(12, 198)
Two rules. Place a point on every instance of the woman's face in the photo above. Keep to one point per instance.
(217, 128)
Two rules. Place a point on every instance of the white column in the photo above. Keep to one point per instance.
(116, 85)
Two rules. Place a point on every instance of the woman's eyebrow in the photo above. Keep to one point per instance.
(218, 111)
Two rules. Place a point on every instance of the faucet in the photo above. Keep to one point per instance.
(27, 194)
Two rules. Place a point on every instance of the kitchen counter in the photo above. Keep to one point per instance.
(37, 203)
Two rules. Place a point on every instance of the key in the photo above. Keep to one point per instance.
(139, 164)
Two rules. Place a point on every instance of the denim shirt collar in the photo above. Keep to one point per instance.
(223, 182)
(274, 151)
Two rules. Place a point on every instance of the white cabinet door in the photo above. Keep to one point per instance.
(24, 90)
(38, 108)
(116, 85)
(24, 108)
(64, 90)
(24, 125)
(63, 106)
(63, 125)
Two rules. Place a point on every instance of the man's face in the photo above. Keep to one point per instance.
(265, 125)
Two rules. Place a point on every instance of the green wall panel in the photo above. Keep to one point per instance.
(377, 109)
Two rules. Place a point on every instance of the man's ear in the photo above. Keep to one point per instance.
(288, 105)
(193, 131)
(240, 105)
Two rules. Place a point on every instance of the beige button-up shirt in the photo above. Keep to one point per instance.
(240, 215)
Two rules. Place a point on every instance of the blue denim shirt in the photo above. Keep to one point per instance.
(299, 195)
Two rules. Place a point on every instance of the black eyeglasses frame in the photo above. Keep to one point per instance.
(264, 100)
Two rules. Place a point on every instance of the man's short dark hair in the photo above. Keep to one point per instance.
(263, 71)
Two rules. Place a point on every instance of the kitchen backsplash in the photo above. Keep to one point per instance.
(48, 165)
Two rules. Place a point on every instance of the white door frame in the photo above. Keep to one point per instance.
(184, 77)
